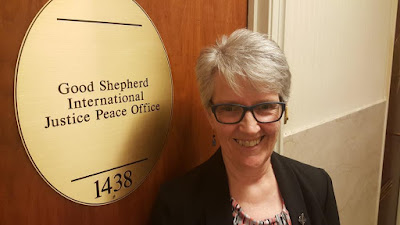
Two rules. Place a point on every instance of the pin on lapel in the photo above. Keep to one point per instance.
(302, 219)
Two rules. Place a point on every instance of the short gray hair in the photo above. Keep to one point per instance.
(245, 54)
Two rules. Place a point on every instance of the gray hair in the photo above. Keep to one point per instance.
(248, 55)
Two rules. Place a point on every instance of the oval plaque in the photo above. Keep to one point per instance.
(93, 97)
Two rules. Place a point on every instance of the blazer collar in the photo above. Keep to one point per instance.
(290, 190)
(216, 195)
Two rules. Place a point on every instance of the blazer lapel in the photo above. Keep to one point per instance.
(290, 191)
(216, 197)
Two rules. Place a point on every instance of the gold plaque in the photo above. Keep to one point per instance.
(93, 97)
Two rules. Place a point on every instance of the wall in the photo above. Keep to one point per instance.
(389, 199)
(340, 54)
(345, 48)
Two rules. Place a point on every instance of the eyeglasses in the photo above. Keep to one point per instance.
(266, 112)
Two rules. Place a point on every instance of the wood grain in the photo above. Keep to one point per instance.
(185, 27)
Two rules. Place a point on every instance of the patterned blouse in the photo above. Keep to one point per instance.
(241, 218)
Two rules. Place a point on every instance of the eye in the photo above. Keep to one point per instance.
(267, 108)
(229, 108)
(264, 106)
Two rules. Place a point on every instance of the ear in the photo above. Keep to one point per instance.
(210, 117)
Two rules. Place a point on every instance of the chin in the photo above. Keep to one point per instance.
(250, 157)
(255, 161)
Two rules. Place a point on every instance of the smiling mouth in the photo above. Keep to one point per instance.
(247, 143)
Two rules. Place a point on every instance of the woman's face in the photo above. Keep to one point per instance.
(247, 143)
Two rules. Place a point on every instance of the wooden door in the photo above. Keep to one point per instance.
(185, 26)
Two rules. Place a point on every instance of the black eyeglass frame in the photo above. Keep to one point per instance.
(248, 108)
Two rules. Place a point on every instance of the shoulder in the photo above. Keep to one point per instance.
(313, 183)
(302, 171)
(196, 179)
(184, 198)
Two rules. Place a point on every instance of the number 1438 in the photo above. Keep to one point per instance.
(124, 181)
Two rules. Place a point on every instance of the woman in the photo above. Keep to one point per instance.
(244, 83)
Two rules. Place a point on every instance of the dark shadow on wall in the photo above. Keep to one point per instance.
(388, 204)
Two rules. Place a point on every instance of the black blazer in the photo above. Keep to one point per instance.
(202, 196)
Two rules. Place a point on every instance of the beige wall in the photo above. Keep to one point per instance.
(349, 148)
(340, 54)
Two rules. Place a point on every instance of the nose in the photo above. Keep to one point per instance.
(249, 124)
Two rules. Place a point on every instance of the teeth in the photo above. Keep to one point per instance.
(248, 143)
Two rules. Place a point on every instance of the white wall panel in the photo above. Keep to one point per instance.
(340, 56)
(340, 53)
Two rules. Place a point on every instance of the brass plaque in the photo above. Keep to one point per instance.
(93, 97)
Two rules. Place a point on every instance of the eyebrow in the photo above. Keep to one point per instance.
(257, 102)
(233, 102)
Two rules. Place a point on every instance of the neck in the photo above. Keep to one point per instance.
(245, 175)
(252, 184)
(254, 188)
